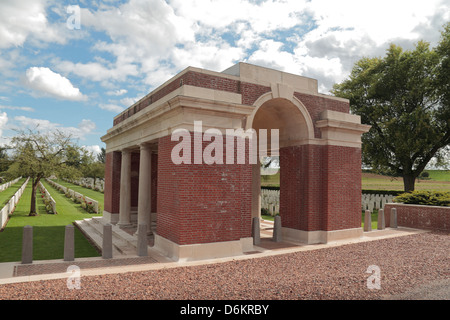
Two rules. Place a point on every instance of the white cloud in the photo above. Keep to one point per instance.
(117, 92)
(96, 71)
(28, 109)
(3, 121)
(84, 128)
(94, 149)
(53, 84)
(111, 107)
(20, 20)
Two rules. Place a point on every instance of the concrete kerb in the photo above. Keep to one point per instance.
(7, 269)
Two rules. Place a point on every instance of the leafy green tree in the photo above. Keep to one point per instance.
(405, 98)
(93, 169)
(101, 157)
(39, 155)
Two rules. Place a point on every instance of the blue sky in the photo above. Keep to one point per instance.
(74, 65)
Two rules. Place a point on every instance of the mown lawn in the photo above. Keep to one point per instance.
(48, 229)
(439, 180)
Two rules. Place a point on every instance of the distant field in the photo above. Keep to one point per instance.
(439, 180)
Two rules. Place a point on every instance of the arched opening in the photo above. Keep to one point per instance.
(294, 126)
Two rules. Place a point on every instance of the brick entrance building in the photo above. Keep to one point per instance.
(205, 210)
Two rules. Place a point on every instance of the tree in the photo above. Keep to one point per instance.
(405, 98)
(93, 169)
(38, 155)
(101, 157)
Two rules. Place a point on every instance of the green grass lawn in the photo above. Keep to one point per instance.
(48, 229)
(439, 180)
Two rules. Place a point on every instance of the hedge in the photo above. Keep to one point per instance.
(428, 198)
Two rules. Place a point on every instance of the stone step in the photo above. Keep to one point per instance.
(124, 244)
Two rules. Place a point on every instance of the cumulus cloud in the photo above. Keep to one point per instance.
(117, 92)
(3, 122)
(84, 128)
(50, 83)
(111, 107)
(93, 149)
(20, 20)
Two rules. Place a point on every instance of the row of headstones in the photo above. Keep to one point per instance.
(75, 195)
(47, 196)
(375, 201)
(69, 243)
(270, 200)
(8, 184)
(89, 183)
(10, 206)
(381, 220)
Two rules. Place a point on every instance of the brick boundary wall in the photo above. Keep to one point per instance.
(419, 216)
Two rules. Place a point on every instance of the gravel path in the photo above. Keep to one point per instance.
(405, 263)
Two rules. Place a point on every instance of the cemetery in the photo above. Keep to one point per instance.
(150, 209)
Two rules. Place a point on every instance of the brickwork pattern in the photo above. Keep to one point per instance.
(112, 182)
(317, 104)
(320, 187)
(420, 217)
(342, 179)
(201, 203)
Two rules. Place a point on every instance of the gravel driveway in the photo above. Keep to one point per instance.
(404, 263)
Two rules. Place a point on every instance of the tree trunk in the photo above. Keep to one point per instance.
(33, 211)
(409, 182)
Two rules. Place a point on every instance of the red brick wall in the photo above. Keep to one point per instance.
(200, 203)
(251, 92)
(112, 182)
(154, 183)
(420, 217)
(135, 157)
(320, 187)
(301, 187)
(342, 187)
(316, 104)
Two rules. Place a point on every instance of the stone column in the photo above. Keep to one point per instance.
(381, 222)
(367, 221)
(256, 232)
(393, 220)
(69, 243)
(27, 245)
(107, 248)
(125, 189)
(145, 180)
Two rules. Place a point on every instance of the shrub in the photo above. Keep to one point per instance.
(425, 174)
(428, 198)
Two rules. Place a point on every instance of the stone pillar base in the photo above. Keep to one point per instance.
(202, 251)
(111, 218)
(320, 236)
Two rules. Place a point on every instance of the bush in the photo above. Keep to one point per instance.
(428, 198)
